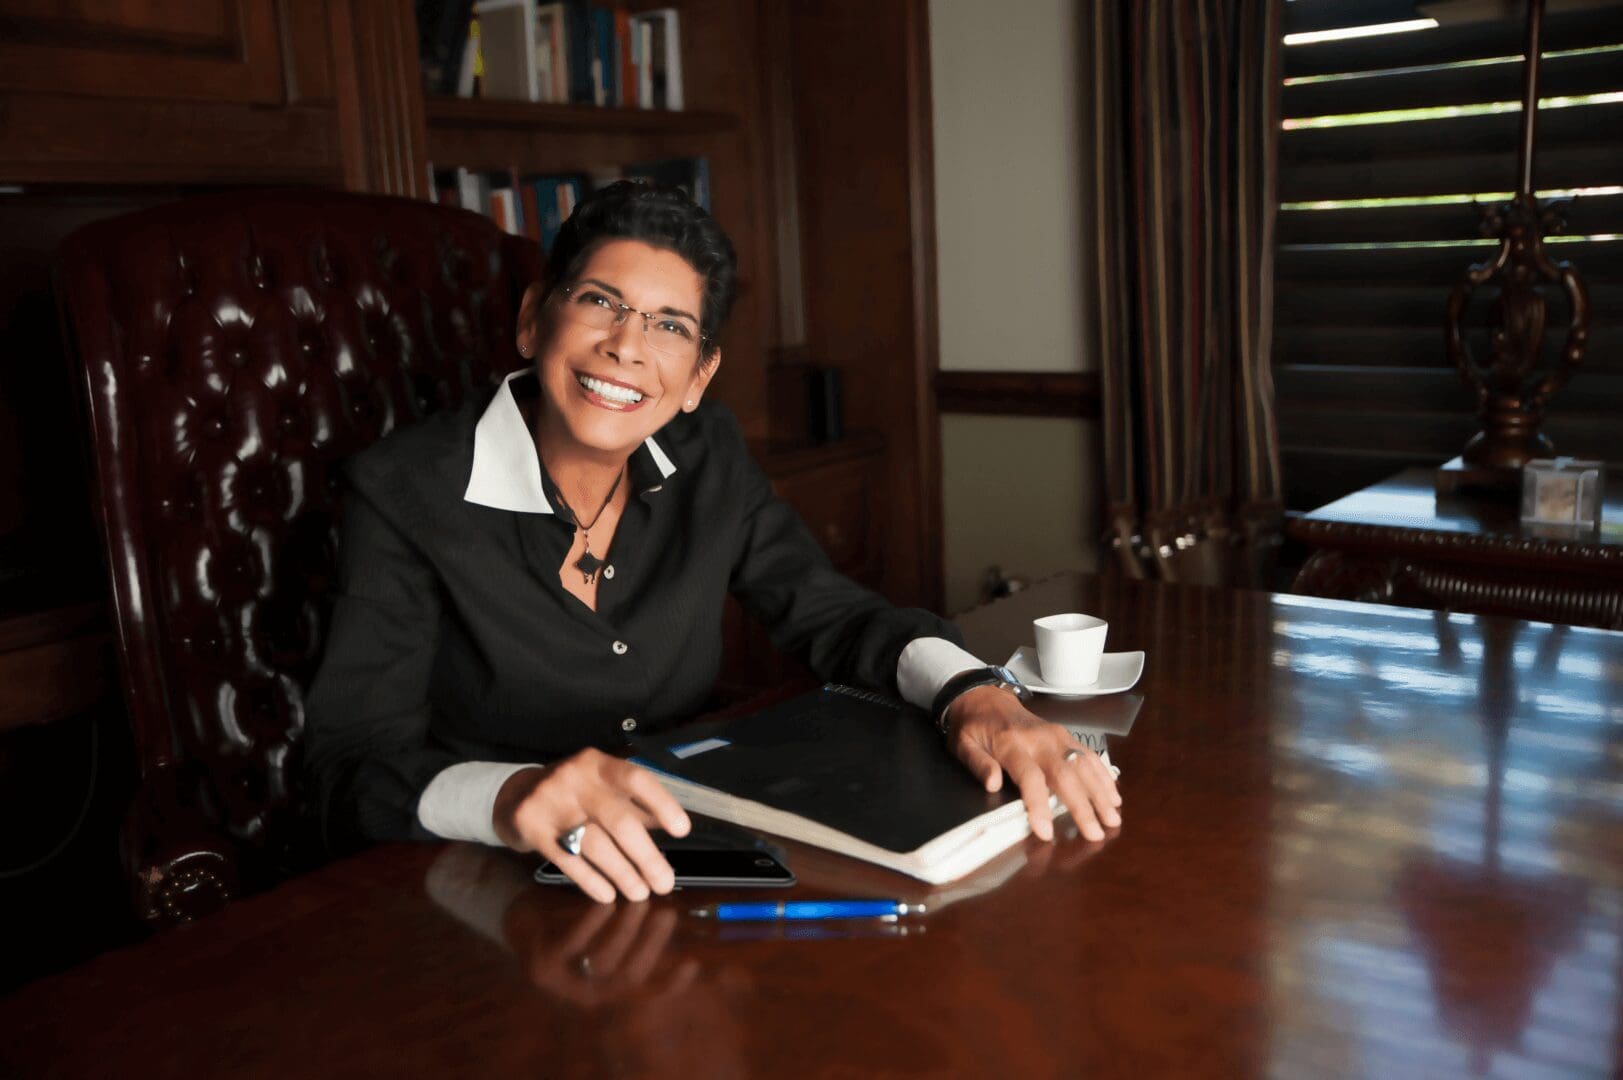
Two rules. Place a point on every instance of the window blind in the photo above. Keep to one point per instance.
(1400, 120)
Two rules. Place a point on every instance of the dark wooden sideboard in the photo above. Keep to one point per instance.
(1398, 542)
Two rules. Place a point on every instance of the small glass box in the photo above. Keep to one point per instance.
(1562, 491)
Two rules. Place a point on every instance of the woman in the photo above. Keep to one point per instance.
(530, 581)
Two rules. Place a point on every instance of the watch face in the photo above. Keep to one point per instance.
(1013, 681)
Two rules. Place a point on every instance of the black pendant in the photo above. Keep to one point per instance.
(589, 564)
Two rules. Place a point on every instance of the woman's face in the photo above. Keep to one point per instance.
(606, 390)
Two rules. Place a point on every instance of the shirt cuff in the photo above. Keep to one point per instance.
(460, 802)
(925, 666)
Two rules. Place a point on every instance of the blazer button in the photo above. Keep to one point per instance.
(608, 572)
(620, 648)
(628, 724)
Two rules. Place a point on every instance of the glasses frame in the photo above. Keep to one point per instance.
(624, 311)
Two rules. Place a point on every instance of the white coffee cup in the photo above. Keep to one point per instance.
(1069, 648)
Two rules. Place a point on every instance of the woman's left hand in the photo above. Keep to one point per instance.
(993, 733)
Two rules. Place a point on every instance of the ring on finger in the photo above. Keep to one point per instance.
(570, 841)
(1074, 755)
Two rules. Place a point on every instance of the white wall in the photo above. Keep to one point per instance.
(1012, 278)
(1008, 184)
(1018, 496)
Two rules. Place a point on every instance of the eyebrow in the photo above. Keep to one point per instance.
(667, 310)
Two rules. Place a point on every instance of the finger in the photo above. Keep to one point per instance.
(1097, 767)
(1034, 793)
(650, 863)
(582, 873)
(1102, 793)
(645, 787)
(1073, 792)
(577, 869)
(1101, 788)
(982, 766)
(609, 953)
(606, 857)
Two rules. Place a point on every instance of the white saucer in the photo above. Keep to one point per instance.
(1118, 671)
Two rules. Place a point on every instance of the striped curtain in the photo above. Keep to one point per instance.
(1185, 129)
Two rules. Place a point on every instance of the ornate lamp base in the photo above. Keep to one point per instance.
(1459, 477)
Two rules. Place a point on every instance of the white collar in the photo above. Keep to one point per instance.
(506, 472)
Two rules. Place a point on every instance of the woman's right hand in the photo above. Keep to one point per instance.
(617, 801)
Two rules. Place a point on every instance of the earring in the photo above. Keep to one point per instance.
(524, 350)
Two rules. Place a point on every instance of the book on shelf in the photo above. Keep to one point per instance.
(505, 207)
(577, 30)
(537, 205)
(442, 40)
(846, 770)
(507, 35)
(553, 198)
(625, 73)
(605, 55)
(692, 175)
(572, 51)
(461, 187)
(663, 55)
(552, 52)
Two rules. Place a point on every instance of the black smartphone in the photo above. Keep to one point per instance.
(699, 867)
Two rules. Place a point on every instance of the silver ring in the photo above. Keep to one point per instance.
(584, 966)
(570, 841)
(1074, 755)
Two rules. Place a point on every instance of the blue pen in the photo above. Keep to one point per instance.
(809, 909)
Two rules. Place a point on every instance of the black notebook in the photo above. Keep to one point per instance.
(846, 770)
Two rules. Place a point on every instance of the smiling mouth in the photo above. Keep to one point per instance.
(615, 395)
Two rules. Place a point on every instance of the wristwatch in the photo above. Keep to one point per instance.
(966, 681)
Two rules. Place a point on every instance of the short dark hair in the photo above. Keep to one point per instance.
(663, 217)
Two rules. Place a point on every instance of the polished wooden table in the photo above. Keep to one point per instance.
(1399, 542)
(1359, 841)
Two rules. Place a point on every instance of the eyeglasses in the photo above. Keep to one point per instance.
(670, 335)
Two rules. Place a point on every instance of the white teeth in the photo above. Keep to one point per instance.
(609, 390)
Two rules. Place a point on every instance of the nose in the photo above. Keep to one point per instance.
(625, 340)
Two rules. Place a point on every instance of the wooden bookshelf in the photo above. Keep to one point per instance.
(462, 113)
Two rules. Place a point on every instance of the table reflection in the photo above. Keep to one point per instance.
(651, 1008)
(1429, 892)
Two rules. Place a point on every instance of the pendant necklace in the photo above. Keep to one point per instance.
(589, 564)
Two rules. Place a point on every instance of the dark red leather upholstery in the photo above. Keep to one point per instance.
(235, 349)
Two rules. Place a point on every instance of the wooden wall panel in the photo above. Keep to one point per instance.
(380, 103)
(862, 117)
(200, 93)
(195, 50)
(46, 139)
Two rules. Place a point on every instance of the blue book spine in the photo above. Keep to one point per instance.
(546, 200)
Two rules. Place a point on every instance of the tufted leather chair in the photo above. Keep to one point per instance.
(236, 348)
